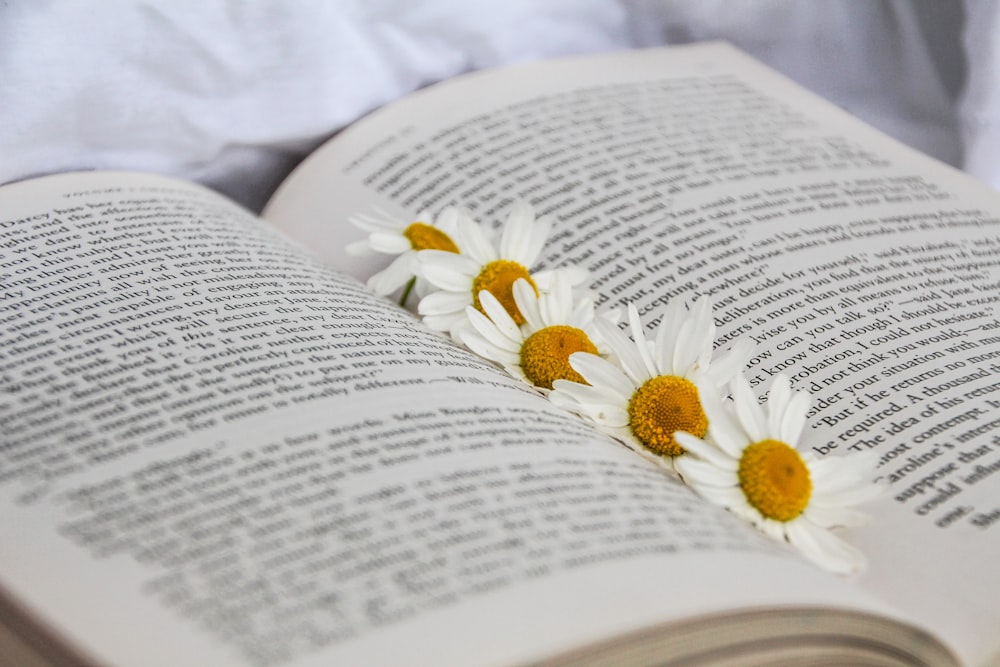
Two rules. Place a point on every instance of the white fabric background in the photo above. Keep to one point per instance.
(234, 93)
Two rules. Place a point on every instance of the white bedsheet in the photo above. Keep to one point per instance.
(233, 94)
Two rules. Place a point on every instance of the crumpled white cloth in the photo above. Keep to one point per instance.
(234, 93)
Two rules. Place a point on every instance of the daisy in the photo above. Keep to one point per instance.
(390, 236)
(460, 278)
(655, 389)
(538, 350)
(754, 467)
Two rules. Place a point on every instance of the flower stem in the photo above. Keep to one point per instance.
(406, 292)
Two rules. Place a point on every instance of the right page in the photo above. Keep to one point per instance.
(862, 269)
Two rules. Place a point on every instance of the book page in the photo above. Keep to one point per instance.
(215, 450)
(862, 269)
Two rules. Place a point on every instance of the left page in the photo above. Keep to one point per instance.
(216, 451)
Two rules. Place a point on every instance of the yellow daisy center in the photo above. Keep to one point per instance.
(775, 479)
(662, 405)
(498, 279)
(427, 237)
(545, 354)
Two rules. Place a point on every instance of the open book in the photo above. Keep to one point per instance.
(217, 448)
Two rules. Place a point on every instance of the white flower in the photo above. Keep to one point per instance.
(459, 278)
(390, 236)
(655, 388)
(538, 350)
(752, 465)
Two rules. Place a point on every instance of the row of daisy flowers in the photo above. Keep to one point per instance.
(669, 397)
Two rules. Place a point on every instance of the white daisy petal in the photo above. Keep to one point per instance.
(564, 399)
(666, 336)
(512, 364)
(495, 336)
(389, 243)
(704, 450)
(562, 291)
(446, 271)
(729, 497)
(776, 530)
(527, 303)
(825, 470)
(600, 373)
(479, 344)
(582, 314)
(575, 275)
(625, 350)
(513, 368)
(548, 308)
(701, 472)
(727, 435)
(555, 305)
(724, 429)
(442, 303)
(583, 393)
(447, 221)
(750, 515)
(665, 463)
(474, 241)
(703, 327)
(502, 357)
(693, 347)
(748, 410)
(392, 277)
(609, 415)
(777, 399)
(515, 371)
(370, 223)
(539, 235)
(590, 404)
(458, 325)
(422, 287)
(594, 397)
(641, 345)
(731, 363)
(456, 262)
(824, 548)
(794, 419)
(501, 318)
(786, 410)
(516, 236)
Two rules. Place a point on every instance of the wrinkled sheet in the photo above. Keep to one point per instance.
(234, 94)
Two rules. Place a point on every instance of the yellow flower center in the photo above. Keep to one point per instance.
(545, 355)
(498, 279)
(428, 237)
(662, 405)
(775, 479)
